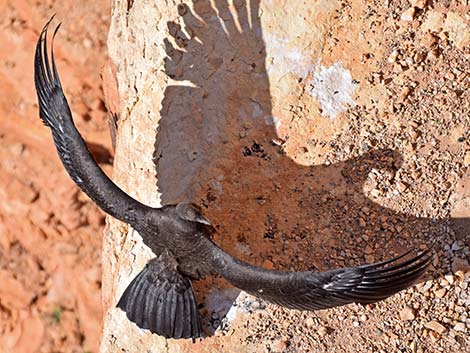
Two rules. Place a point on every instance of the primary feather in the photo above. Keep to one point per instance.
(55, 113)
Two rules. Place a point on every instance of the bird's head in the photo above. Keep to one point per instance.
(180, 219)
(192, 213)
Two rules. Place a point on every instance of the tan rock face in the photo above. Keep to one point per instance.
(218, 108)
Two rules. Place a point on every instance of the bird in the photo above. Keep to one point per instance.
(161, 298)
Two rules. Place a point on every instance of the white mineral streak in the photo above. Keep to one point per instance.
(334, 88)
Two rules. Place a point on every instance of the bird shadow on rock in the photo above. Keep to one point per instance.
(217, 146)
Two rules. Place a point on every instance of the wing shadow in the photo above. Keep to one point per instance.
(217, 147)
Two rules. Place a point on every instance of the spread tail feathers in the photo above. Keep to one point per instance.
(159, 299)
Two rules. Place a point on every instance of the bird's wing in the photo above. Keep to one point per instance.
(311, 291)
(77, 160)
(162, 300)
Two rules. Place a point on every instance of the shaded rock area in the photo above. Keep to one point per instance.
(50, 233)
(218, 108)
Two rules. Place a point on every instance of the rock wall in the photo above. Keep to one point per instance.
(307, 132)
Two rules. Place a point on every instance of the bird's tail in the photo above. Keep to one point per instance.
(161, 300)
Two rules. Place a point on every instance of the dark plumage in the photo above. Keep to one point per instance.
(161, 298)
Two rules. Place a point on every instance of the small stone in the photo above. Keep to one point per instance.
(459, 326)
(432, 55)
(398, 67)
(268, 264)
(456, 246)
(466, 159)
(426, 287)
(449, 278)
(403, 94)
(434, 22)
(459, 264)
(355, 323)
(401, 186)
(393, 57)
(443, 36)
(414, 134)
(435, 326)
(440, 293)
(460, 274)
(309, 322)
(428, 40)
(348, 149)
(457, 29)
(362, 222)
(418, 57)
(413, 346)
(434, 336)
(408, 15)
(407, 314)
(375, 192)
(322, 331)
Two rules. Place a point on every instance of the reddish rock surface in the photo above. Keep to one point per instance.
(50, 233)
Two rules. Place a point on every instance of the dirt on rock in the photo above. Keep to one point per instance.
(50, 233)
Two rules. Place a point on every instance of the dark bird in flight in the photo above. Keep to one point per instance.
(161, 297)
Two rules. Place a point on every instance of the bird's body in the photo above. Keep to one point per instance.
(161, 297)
(187, 240)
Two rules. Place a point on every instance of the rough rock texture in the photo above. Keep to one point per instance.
(50, 233)
(315, 134)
